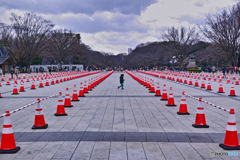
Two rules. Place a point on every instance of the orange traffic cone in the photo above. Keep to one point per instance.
(47, 83)
(183, 106)
(8, 144)
(8, 82)
(196, 83)
(152, 89)
(158, 92)
(220, 80)
(203, 84)
(237, 81)
(60, 107)
(231, 136)
(164, 93)
(232, 91)
(185, 81)
(39, 118)
(190, 82)
(81, 92)
(15, 90)
(1, 95)
(200, 121)
(209, 87)
(41, 84)
(22, 88)
(220, 89)
(85, 88)
(75, 94)
(33, 85)
(67, 101)
(228, 80)
(171, 99)
(52, 82)
(89, 86)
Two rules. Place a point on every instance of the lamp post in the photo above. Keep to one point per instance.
(174, 57)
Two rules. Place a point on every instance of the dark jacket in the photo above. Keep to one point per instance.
(121, 79)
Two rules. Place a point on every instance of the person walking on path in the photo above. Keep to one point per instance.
(121, 81)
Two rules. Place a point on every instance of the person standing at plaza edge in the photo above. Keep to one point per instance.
(16, 72)
(121, 81)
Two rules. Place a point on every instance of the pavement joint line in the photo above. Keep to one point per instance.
(121, 136)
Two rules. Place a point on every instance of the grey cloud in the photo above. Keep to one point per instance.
(191, 20)
(78, 6)
(199, 4)
(118, 23)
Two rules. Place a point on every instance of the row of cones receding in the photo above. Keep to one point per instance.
(8, 144)
(231, 137)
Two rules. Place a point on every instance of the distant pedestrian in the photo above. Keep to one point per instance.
(16, 72)
(223, 70)
(1, 72)
(227, 69)
(11, 71)
(121, 81)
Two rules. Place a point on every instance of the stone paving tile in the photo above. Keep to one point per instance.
(135, 151)
(153, 151)
(66, 150)
(100, 150)
(83, 151)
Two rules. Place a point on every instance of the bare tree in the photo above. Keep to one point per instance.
(182, 42)
(224, 30)
(63, 45)
(26, 37)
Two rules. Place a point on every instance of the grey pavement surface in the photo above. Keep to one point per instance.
(111, 123)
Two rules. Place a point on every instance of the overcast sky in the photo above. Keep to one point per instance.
(116, 25)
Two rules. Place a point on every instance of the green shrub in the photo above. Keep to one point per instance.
(195, 70)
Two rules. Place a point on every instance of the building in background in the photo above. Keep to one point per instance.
(130, 50)
(5, 60)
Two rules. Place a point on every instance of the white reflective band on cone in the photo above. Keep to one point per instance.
(231, 128)
(38, 113)
(183, 102)
(200, 111)
(231, 118)
(7, 130)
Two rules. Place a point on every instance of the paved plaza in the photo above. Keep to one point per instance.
(111, 123)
